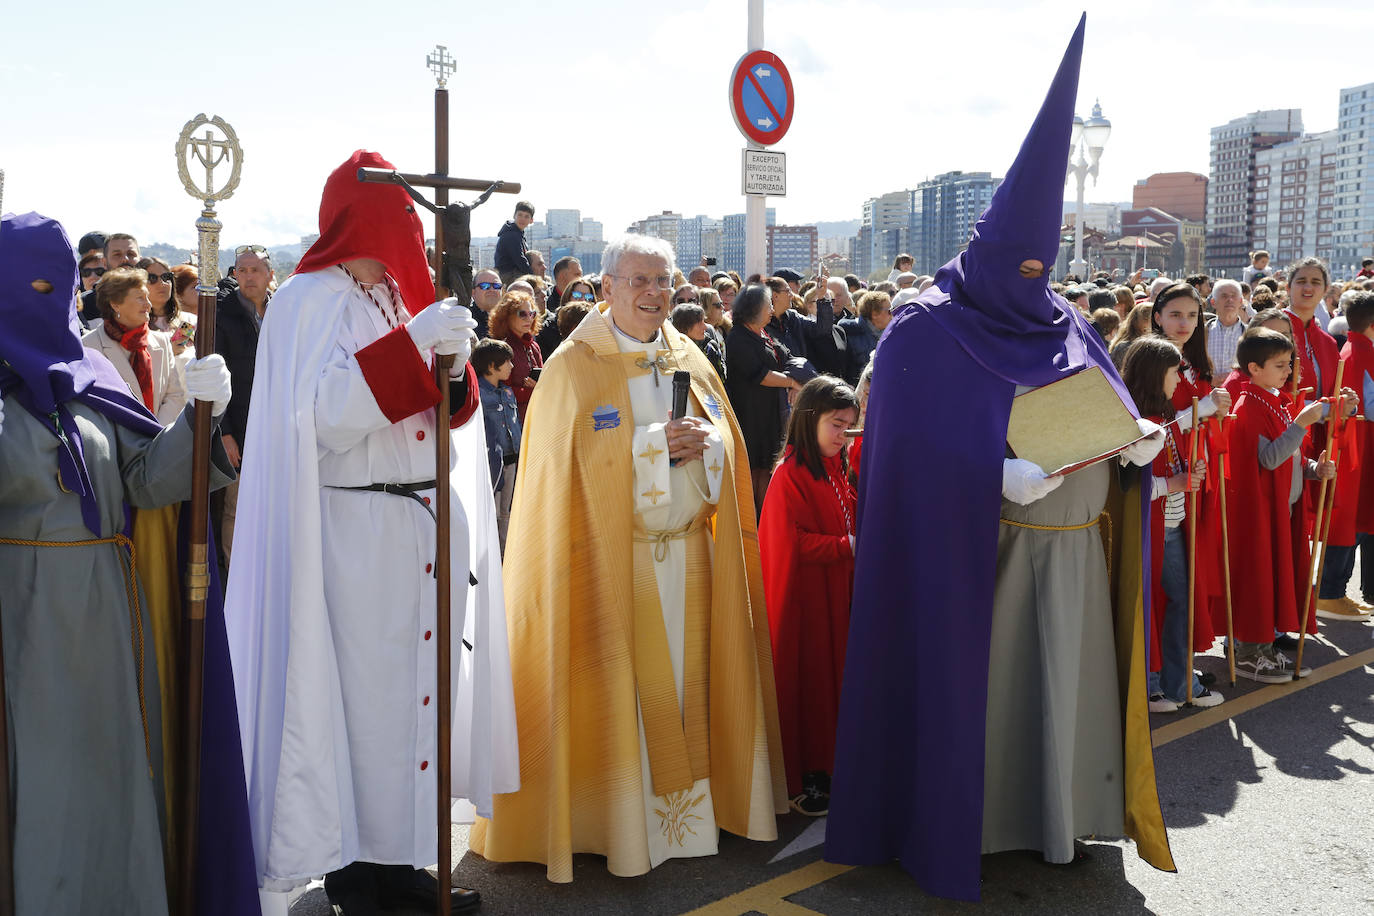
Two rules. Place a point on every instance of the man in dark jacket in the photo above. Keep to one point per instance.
(238, 318)
(512, 261)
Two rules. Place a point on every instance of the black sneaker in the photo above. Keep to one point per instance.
(814, 800)
(1284, 641)
(1207, 678)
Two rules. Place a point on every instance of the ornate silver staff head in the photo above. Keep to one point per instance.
(218, 146)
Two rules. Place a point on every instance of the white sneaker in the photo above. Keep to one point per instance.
(1160, 703)
(1264, 669)
(1207, 698)
(1285, 665)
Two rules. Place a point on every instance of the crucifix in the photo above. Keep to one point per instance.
(453, 275)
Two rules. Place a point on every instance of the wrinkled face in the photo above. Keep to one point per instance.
(486, 299)
(1306, 288)
(1227, 301)
(699, 277)
(882, 314)
(830, 429)
(1274, 373)
(253, 274)
(1178, 319)
(639, 294)
(121, 253)
(839, 291)
(132, 311)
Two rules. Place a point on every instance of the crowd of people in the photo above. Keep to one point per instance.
(688, 593)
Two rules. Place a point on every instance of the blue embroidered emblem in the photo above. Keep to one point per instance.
(605, 417)
(713, 407)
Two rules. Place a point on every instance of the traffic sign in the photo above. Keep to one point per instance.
(761, 97)
(765, 172)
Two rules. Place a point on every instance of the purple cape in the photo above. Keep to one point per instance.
(908, 780)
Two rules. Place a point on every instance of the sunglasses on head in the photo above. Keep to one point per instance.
(92, 271)
(245, 249)
(486, 285)
(578, 294)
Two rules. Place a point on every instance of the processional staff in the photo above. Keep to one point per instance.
(218, 146)
(452, 276)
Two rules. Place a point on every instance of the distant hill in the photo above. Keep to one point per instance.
(838, 228)
(284, 257)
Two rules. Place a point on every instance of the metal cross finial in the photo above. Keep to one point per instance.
(441, 63)
(219, 145)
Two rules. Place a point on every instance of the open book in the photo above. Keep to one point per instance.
(1071, 423)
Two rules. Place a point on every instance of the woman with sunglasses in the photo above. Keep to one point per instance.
(578, 292)
(166, 314)
(516, 320)
(92, 266)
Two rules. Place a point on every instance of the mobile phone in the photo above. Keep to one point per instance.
(536, 372)
(710, 262)
(1151, 274)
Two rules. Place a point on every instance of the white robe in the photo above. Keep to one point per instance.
(667, 499)
(330, 607)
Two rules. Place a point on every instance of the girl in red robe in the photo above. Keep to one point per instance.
(806, 539)
(1151, 374)
(1176, 315)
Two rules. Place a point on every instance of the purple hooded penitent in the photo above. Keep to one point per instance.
(908, 780)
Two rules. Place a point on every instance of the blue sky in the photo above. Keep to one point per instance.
(620, 109)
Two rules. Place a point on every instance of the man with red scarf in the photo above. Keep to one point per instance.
(331, 601)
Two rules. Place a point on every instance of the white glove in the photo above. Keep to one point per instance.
(446, 327)
(1023, 482)
(1143, 452)
(208, 380)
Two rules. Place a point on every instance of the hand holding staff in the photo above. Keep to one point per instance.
(1318, 528)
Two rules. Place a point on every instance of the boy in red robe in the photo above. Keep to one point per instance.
(1265, 489)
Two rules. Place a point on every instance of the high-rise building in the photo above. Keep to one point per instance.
(588, 253)
(732, 240)
(537, 231)
(563, 223)
(950, 205)
(711, 238)
(1353, 225)
(794, 247)
(1183, 194)
(887, 219)
(1231, 185)
(590, 229)
(688, 249)
(663, 226)
(307, 241)
(1294, 218)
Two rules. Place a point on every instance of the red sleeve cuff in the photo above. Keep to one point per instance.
(400, 380)
(472, 400)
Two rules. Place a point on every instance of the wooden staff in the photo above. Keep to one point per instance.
(1318, 540)
(1226, 565)
(1192, 546)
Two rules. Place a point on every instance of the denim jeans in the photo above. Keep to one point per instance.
(1340, 565)
(1366, 544)
(1175, 640)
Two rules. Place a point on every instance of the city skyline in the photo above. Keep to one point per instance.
(618, 110)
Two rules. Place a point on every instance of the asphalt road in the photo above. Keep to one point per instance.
(1269, 799)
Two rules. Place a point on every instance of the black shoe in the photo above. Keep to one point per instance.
(403, 886)
(1284, 641)
(353, 889)
(1207, 678)
(814, 800)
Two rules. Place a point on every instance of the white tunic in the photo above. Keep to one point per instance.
(336, 700)
(678, 825)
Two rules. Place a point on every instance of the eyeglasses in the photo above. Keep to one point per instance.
(166, 277)
(685, 301)
(639, 281)
(255, 249)
(524, 314)
(485, 285)
(92, 271)
(585, 297)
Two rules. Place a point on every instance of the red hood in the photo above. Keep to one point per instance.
(376, 221)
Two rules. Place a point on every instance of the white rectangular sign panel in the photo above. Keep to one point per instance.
(765, 172)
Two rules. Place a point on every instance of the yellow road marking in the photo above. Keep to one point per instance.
(767, 897)
(1246, 702)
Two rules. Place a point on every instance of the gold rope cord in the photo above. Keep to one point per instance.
(135, 609)
(1104, 520)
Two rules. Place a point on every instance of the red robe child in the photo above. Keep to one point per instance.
(1269, 553)
(1172, 460)
(808, 578)
(1318, 354)
(1358, 354)
(1210, 602)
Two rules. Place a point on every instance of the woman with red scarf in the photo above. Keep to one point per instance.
(144, 357)
(806, 543)
(516, 320)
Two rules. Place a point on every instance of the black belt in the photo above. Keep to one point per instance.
(408, 490)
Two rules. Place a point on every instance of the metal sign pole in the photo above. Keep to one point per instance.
(755, 205)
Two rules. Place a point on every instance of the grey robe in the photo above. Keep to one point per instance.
(86, 805)
(1053, 740)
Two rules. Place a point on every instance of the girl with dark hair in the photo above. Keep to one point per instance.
(1151, 374)
(754, 379)
(806, 542)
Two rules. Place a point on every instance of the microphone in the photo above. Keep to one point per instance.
(682, 382)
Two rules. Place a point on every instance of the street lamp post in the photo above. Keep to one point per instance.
(1085, 150)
